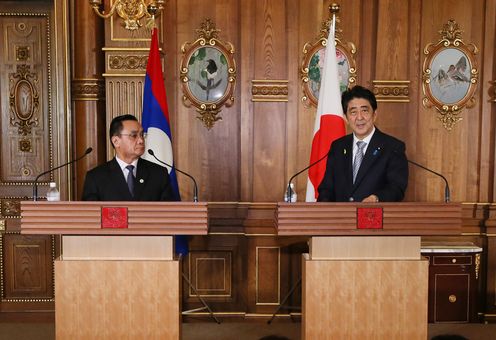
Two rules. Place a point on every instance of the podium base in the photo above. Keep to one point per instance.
(117, 299)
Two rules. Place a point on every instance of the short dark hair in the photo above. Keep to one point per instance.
(116, 125)
(358, 92)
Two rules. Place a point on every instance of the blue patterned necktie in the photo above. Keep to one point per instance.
(358, 158)
(130, 179)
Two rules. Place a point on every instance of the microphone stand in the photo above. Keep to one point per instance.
(195, 186)
(446, 187)
(289, 190)
(35, 185)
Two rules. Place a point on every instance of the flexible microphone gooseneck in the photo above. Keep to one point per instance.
(446, 186)
(195, 186)
(35, 185)
(289, 190)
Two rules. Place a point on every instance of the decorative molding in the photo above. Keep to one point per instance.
(269, 90)
(24, 99)
(2, 274)
(88, 89)
(22, 53)
(11, 208)
(392, 91)
(129, 62)
(257, 276)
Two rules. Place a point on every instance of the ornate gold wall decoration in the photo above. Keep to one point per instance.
(269, 90)
(129, 62)
(22, 53)
(11, 207)
(450, 75)
(88, 89)
(131, 11)
(393, 91)
(208, 74)
(313, 53)
(24, 99)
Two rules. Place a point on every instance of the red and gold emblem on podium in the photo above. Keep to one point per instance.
(369, 218)
(114, 217)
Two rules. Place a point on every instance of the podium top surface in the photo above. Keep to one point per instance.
(114, 218)
(360, 219)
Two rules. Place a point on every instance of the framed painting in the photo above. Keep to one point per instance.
(449, 75)
(208, 74)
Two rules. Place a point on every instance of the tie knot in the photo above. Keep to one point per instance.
(130, 168)
(360, 144)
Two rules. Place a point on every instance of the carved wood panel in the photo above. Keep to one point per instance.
(26, 111)
(27, 271)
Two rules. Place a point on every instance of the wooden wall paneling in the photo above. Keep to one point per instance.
(34, 51)
(397, 65)
(486, 185)
(29, 147)
(246, 67)
(216, 267)
(311, 15)
(212, 156)
(269, 118)
(453, 153)
(88, 91)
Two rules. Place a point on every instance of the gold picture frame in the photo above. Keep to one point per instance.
(450, 75)
(313, 53)
(208, 74)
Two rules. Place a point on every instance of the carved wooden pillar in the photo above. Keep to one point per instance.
(88, 90)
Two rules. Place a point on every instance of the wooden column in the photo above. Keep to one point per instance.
(88, 90)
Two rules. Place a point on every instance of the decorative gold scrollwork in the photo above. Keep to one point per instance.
(477, 265)
(131, 11)
(313, 53)
(208, 74)
(450, 75)
(24, 99)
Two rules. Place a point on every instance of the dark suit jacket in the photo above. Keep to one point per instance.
(383, 172)
(107, 183)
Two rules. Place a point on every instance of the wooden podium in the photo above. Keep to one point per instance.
(116, 277)
(364, 277)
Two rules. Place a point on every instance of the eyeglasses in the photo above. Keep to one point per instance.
(134, 135)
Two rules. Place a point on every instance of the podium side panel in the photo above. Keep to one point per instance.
(365, 299)
(117, 300)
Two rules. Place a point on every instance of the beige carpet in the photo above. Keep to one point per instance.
(239, 331)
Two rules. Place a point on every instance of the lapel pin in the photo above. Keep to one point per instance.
(344, 151)
(142, 180)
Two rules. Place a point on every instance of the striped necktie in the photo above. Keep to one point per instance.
(358, 158)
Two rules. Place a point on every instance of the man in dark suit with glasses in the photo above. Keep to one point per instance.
(127, 177)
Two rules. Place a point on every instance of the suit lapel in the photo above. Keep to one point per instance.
(120, 181)
(348, 161)
(371, 156)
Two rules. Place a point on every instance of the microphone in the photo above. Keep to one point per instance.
(195, 186)
(289, 190)
(35, 185)
(446, 186)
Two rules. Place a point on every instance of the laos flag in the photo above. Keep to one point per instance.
(156, 123)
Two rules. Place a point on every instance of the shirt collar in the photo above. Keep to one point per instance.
(123, 164)
(366, 139)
